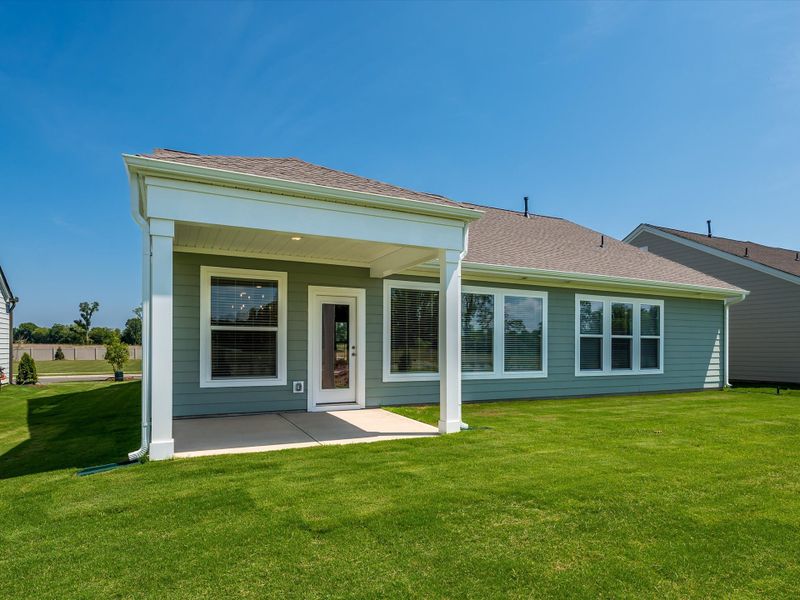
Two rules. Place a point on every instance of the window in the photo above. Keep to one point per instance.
(477, 333)
(618, 336)
(243, 328)
(503, 332)
(591, 335)
(523, 327)
(414, 330)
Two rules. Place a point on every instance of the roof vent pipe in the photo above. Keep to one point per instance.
(797, 255)
(708, 222)
(602, 241)
(746, 251)
(526, 207)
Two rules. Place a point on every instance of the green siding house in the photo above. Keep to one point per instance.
(272, 284)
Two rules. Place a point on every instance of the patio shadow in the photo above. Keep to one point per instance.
(76, 429)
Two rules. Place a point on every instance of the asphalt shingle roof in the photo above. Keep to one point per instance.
(299, 171)
(782, 259)
(504, 237)
(498, 237)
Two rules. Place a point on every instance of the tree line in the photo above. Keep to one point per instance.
(80, 331)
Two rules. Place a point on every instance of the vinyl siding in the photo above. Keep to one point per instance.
(692, 356)
(5, 334)
(764, 329)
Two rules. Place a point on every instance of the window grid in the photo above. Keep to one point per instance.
(608, 336)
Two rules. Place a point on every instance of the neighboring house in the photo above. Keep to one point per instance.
(7, 303)
(765, 329)
(275, 284)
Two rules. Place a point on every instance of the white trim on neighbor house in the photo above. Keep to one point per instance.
(360, 296)
(607, 336)
(499, 294)
(206, 273)
(739, 260)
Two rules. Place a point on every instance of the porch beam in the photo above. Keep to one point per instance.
(162, 233)
(400, 260)
(449, 341)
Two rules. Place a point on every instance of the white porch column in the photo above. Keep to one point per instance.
(162, 232)
(449, 341)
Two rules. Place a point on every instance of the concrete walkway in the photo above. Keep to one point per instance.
(277, 431)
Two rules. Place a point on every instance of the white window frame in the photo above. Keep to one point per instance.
(607, 336)
(206, 273)
(498, 354)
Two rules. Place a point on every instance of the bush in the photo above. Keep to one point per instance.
(116, 354)
(26, 371)
(59, 354)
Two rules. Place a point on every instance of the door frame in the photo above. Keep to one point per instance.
(314, 322)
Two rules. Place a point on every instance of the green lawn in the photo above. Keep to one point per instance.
(690, 495)
(81, 367)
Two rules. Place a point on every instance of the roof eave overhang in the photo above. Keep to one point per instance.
(471, 270)
(138, 165)
(739, 260)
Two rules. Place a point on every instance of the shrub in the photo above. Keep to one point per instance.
(26, 371)
(59, 354)
(116, 354)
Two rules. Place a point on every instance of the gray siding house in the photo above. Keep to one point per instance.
(765, 328)
(7, 303)
(272, 284)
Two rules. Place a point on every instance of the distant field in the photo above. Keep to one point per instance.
(81, 367)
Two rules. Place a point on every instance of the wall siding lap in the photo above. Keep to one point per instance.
(693, 330)
(5, 337)
(764, 329)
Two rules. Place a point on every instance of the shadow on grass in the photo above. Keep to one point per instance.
(75, 429)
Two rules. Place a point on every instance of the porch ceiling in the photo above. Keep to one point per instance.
(259, 242)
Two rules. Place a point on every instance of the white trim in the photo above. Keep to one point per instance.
(739, 260)
(206, 273)
(607, 336)
(271, 256)
(499, 294)
(529, 276)
(360, 296)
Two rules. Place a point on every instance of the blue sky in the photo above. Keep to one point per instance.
(608, 114)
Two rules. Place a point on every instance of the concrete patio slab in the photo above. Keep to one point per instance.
(278, 431)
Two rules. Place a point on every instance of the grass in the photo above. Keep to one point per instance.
(81, 367)
(678, 496)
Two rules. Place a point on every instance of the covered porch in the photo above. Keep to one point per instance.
(273, 220)
(280, 431)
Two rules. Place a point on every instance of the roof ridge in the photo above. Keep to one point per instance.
(516, 212)
(728, 239)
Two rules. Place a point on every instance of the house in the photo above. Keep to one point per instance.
(274, 284)
(764, 330)
(7, 304)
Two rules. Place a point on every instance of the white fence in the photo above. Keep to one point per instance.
(47, 352)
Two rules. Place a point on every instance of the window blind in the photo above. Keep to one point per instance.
(477, 333)
(591, 335)
(523, 317)
(650, 332)
(621, 335)
(414, 331)
(244, 328)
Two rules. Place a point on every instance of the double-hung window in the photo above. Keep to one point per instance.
(503, 332)
(243, 327)
(618, 336)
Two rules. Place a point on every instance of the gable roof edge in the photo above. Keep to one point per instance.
(646, 228)
(160, 168)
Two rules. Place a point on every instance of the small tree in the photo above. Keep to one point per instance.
(59, 354)
(132, 334)
(116, 355)
(26, 371)
(87, 310)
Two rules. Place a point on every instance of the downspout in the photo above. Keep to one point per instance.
(12, 304)
(728, 303)
(144, 225)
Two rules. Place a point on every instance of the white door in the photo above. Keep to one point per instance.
(335, 366)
